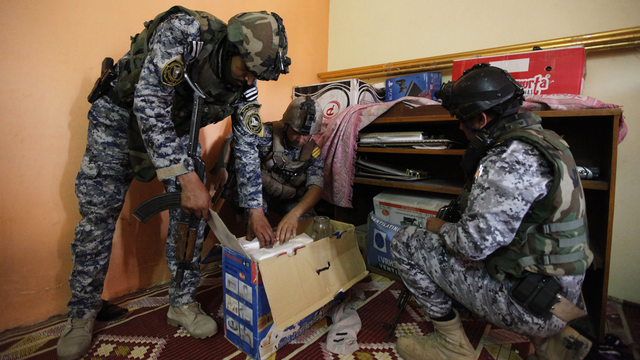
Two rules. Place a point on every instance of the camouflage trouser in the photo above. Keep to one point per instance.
(101, 186)
(435, 277)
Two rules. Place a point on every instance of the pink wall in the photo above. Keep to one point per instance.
(51, 55)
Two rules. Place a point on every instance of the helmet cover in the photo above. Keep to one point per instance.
(304, 115)
(262, 41)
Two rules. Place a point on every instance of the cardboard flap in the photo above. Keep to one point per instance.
(226, 238)
(297, 285)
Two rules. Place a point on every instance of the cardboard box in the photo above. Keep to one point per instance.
(421, 85)
(557, 71)
(379, 250)
(335, 96)
(268, 303)
(405, 207)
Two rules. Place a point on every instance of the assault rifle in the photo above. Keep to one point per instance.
(187, 224)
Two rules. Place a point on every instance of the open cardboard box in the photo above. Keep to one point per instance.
(270, 302)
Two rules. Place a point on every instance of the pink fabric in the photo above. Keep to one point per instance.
(339, 146)
(570, 102)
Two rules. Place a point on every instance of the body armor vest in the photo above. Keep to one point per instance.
(282, 177)
(552, 238)
(205, 70)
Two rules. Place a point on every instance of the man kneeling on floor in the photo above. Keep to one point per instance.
(521, 230)
(291, 173)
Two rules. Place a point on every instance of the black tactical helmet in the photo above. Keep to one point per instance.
(481, 88)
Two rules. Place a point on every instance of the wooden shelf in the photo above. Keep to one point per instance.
(398, 150)
(430, 185)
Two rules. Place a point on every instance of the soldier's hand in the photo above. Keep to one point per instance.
(260, 227)
(286, 228)
(434, 224)
(195, 198)
(216, 181)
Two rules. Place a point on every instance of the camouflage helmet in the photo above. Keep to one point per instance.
(481, 88)
(262, 42)
(304, 115)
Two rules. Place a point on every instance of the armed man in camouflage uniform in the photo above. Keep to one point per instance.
(291, 169)
(522, 229)
(139, 127)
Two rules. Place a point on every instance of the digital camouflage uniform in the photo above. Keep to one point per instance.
(264, 144)
(437, 268)
(105, 173)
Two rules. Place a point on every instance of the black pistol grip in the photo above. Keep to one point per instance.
(157, 204)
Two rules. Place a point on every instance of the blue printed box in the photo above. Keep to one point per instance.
(379, 248)
(421, 85)
(269, 303)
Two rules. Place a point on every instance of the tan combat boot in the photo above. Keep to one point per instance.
(448, 341)
(75, 340)
(193, 319)
(568, 344)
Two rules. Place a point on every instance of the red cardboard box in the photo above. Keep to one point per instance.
(557, 71)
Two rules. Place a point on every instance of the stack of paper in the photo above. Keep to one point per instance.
(385, 137)
(415, 139)
(380, 169)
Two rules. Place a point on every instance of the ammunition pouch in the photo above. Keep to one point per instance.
(541, 296)
(536, 293)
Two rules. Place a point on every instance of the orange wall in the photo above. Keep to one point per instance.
(51, 56)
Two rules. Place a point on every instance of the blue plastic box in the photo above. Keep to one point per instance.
(421, 85)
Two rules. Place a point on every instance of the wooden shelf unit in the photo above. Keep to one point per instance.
(593, 139)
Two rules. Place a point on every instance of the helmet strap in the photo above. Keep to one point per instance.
(477, 149)
(310, 117)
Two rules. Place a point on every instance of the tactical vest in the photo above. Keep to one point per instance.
(552, 238)
(282, 177)
(205, 70)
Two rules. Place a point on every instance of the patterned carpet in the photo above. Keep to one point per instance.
(145, 334)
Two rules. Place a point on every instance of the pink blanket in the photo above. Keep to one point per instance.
(570, 102)
(339, 146)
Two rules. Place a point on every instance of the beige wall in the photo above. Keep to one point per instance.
(51, 56)
(370, 32)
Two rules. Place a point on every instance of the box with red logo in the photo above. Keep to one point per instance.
(556, 71)
(335, 96)
(268, 303)
(406, 207)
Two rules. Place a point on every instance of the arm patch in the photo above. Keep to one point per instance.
(173, 72)
(250, 117)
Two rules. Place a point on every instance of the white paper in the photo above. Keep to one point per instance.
(251, 249)
(257, 254)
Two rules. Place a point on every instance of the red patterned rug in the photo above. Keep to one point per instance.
(145, 334)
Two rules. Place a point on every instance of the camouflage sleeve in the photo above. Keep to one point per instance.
(153, 97)
(265, 142)
(315, 172)
(509, 180)
(247, 129)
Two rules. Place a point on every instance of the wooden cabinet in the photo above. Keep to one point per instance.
(592, 136)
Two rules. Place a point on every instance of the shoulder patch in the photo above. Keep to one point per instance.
(250, 115)
(316, 152)
(173, 72)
